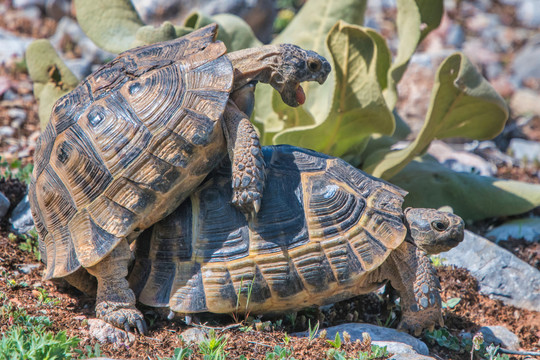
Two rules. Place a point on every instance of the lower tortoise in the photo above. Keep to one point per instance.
(135, 138)
(326, 231)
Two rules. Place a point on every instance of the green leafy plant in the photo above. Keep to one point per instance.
(45, 299)
(279, 353)
(16, 170)
(27, 242)
(213, 348)
(451, 303)
(375, 352)
(312, 332)
(336, 343)
(353, 115)
(444, 338)
(24, 343)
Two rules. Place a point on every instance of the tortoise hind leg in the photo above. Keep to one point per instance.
(246, 157)
(115, 301)
(411, 273)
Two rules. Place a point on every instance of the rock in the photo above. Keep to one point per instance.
(4, 205)
(106, 333)
(17, 116)
(394, 347)
(489, 151)
(525, 101)
(499, 335)
(27, 268)
(194, 335)
(81, 68)
(460, 161)
(500, 274)
(21, 218)
(455, 36)
(528, 12)
(410, 357)
(525, 63)
(380, 335)
(21, 4)
(526, 229)
(57, 9)
(524, 150)
(12, 46)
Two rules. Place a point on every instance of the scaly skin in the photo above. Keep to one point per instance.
(246, 158)
(115, 301)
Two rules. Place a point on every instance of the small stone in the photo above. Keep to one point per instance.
(525, 101)
(21, 218)
(460, 161)
(499, 335)
(527, 229)
(27, 268)
(194, 335)
(4, 205)
(380, 335)
(524, 150)
(6, 131)
(525, 63)
(455, 36)
(17, 115)
(105, 333)
(407, 356)
(528, 13)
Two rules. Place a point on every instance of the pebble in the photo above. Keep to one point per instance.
(21, 4)
(106, 333)
(527, 229)
(21, 218)
(378, 334)
(461, 161)
(194, 335)
(16, 115)
(500, 335)
(500, 274)
(525, 63)
(524, 150)
(410, 357)
(12, 46)
(27, 268)
(4, 205)
(528, 13)
(525, 101)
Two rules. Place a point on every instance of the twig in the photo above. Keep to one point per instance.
(514, 352)
(229, 327)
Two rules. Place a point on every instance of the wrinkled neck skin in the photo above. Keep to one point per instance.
(256, 64)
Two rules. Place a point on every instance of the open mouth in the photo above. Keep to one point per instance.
(300, 95)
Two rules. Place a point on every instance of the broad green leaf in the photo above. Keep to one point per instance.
(308, 30)
(51, 77)
(415, 20)
(110, 24)
(235, 33)
(358, 108)
(463, 104)
(471, 196)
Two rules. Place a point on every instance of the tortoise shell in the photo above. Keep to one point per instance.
(322, 228)
(126, 146)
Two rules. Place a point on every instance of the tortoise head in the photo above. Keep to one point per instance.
(296, 65)
(434, 231)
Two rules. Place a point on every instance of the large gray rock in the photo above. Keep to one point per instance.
(21, 218)
(410, 357)
(380, 336)
(499, 335)
(4, 205)
(500, 274)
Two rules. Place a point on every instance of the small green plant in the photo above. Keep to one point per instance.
(291, 318)
(248, 298)
(491, 353)
(437, 260)
(280, 353)
(335, 354)
(31, 343)
(44, 298)
(15, 170)
(286, 339)
(213, 348)
(444, 338)
(90, 352)
(451, 303)
(336, 343)
(375, 352)
(312, 332)
(180, 354)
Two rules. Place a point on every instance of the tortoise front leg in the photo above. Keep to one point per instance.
(115, 301)
(411, 273)
(247, 160)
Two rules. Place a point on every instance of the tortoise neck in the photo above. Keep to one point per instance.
(255, 64)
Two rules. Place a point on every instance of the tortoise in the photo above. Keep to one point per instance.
(128, 145)
(325, 232)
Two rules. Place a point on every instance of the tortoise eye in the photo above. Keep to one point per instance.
(314, 65)
(438, 225)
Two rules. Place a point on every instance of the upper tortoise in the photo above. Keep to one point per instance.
(326, 231)
(135, 138)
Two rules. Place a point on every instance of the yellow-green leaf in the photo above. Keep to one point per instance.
(358, 107)
(471, 196)
(463, 104)
(415, 19)
(51, 77)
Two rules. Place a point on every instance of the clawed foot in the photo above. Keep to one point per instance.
(415, 323)
(248, 179)
(122, 315)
